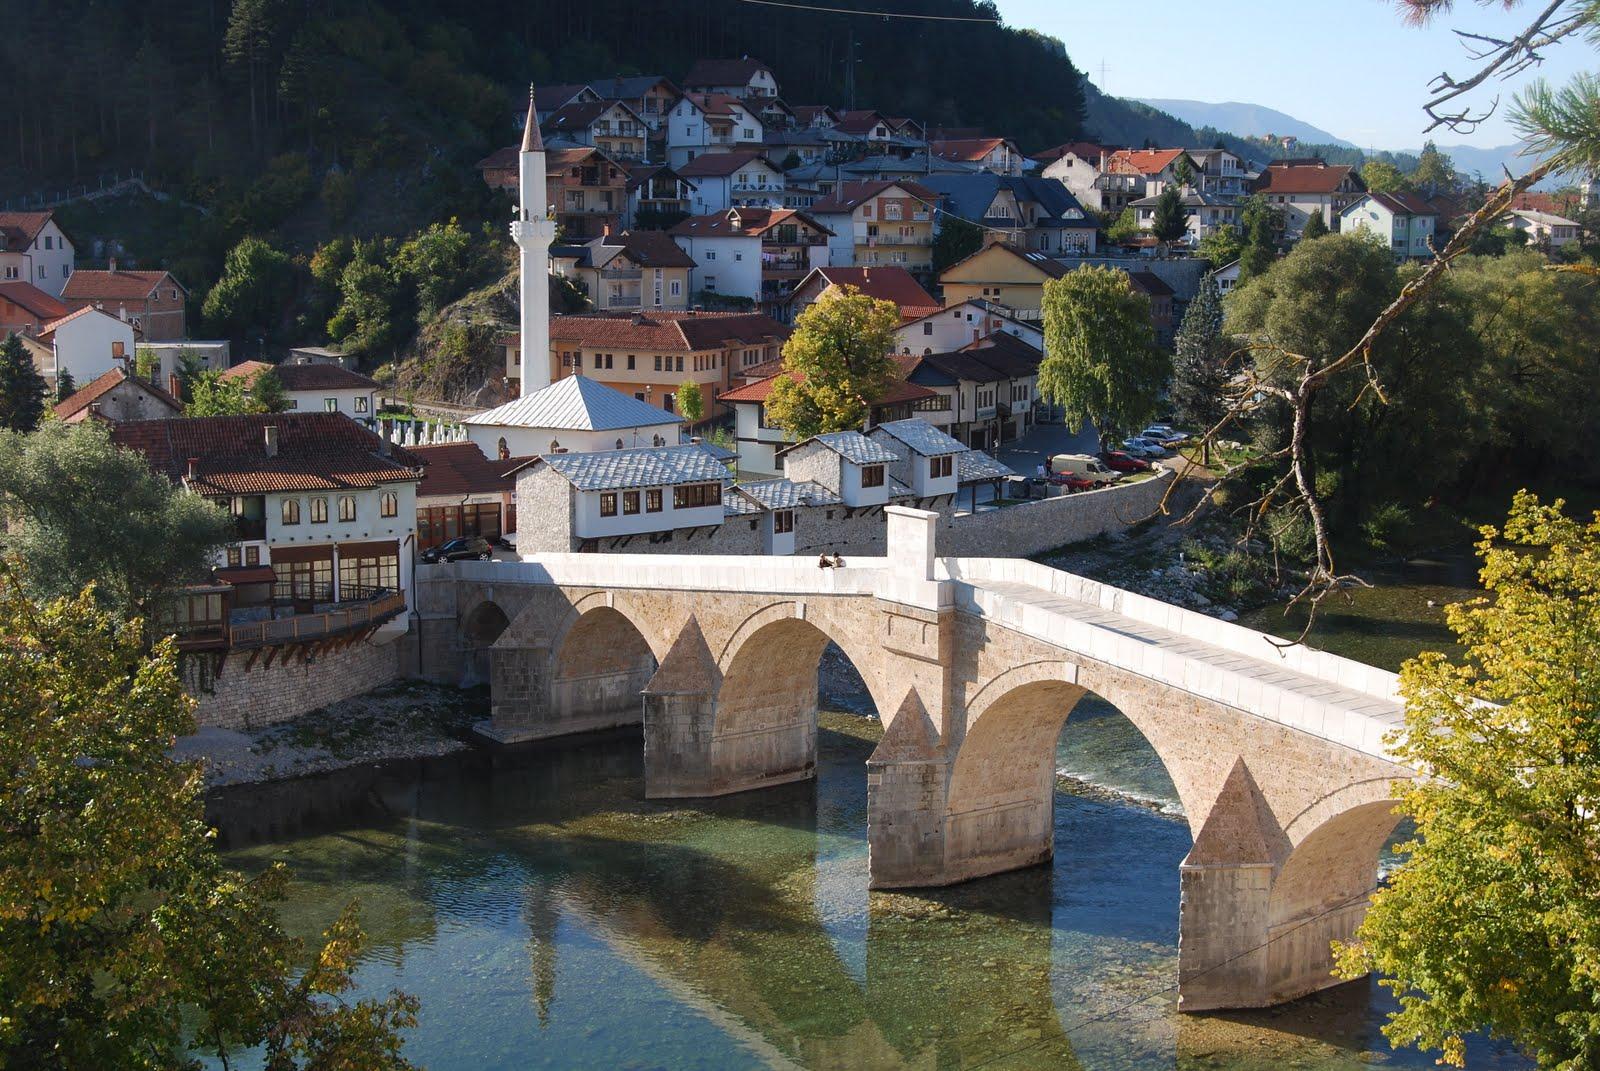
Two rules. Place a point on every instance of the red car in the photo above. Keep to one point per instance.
(1117, 461)
(1070, 482)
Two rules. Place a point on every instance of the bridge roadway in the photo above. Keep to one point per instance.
(1277, 753)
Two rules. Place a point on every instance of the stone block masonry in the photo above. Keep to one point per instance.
(1031, 528)
(235, 698)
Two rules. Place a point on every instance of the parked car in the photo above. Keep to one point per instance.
(1164, 434)
(1141, 447)
(1117, 461)
(1072, 483)
(1084, 467)
(508, 541)
(464, 548)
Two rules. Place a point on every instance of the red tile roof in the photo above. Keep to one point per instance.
(120, 285)
(19, 229)
(47, 331)
(34, 300)
(310, 376)
(899, 391)
(100, 386)
(742, 222)
(316, 452)
(1142, 161)
(1305, 176)
(720, 164)
(456, 469)
(848, 196)
(664, 331)
(886, 283)
(967, 149)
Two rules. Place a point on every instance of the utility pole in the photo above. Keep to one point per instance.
(850, 70)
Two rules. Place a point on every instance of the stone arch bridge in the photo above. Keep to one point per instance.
(974, 665)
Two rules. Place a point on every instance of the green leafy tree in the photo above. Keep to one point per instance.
(84, 511)
(1201, 367)
(267, 393)
(1497, 241)
(256, 286)
(1101, 361)
(364, 322)
(146, 363)
(1169, 222)
(213, 394)
(1315, 226)
(22, 388)
(66, 386)
(837, 362)
(1125, 229)
(1222, 246)
(126, 939)
(1383, 177)
(1491, 922)
(1262, 225)
(691, 403)
(438, 264)
(956, 241)
(1435, 173)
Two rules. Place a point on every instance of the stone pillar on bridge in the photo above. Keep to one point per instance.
(907, 784)
(680, 718)
(519, 689)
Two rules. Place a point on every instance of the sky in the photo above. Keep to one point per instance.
(1352, 67)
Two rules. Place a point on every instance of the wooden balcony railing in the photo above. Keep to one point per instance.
(348, 617)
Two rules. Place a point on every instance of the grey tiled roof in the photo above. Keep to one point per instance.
(789, 494)
(734, 505)
(923, 438)
(856, 447)
(721, 453)
(576, 403)
(976, 465)
(609, 470)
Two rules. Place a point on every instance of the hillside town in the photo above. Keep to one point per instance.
(734, 416)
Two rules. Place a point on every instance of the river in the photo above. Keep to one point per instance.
(548, 916)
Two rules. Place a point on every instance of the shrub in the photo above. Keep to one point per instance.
(1386, 525)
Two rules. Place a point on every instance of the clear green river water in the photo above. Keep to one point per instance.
(548, 916)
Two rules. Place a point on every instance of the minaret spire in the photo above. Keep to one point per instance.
(533, 230)
(531, 141)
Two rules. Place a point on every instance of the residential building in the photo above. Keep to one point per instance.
(1155, 168)
(87, 344)
(576, 414)
(167, 359)
(1203, 211)
(152, 301)
(980, 198)
(651, 96)
(608, 125)
(775, 114)
(1162, 316)
(761, 444)
(743, 77)
(658, 196)
(814, 115)
(649, 355)
(585, 189)
(999, 155)
(1032, 213)
(880, 223)
(911, 166)
(1090, 152)
(324, 509)
(1220, 173)
(1301, 187)
(317, 388)
(706, 123)
(758, 253)
(463, 492)
(34, 249)
(1005, 275)
(1082, 168)
(806, 145)
(25, 308)
(925, 459)
(727, 180)
(895, 285)
(854, 464)
(949, 329)
(630, 270)
(115, 397)
(551, 99)
(1543, 230)
(1405, 222)
(1227, 277)
(985, 391)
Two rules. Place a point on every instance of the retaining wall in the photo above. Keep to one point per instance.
(1030, 528)
(232, 698)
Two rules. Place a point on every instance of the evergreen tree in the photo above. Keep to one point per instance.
(1170, 222)
(66, 386)
(1183, 172)
(1200, 371)
(957, 240)
(266, 392)
(22, 388)
(1315, 227)
(1435, 171)
(1260, 239)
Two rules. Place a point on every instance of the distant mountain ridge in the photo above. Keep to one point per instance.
(1245, 120)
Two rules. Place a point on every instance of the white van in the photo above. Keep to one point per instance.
(1085, 467)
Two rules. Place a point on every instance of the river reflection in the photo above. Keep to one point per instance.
(548, 916)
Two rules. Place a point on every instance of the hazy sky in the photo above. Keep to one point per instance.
(1351, 67)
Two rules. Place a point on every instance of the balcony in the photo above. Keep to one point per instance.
(588, 210)
(621, 273)
(249, 528)
(199, 627)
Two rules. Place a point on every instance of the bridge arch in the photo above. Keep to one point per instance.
(600, 662)
(789, 636)
(480, 628)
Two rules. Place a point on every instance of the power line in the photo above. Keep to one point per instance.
(875, 14)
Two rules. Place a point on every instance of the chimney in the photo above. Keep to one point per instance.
(270, 440)
(113, 264)
(194, 467)
(605, 230)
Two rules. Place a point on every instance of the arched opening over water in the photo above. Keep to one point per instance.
(601, 665)
(479, 629)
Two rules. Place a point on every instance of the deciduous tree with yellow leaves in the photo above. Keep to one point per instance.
(837, 363)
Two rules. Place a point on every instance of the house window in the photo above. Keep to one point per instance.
(330, 405)
(630, 362)
(694, 495)
(630, 502)
(658, 362)
(783, 521)
(233, 557)
(319, 510)
(252, 555)
(291, 511)
(927, 329)
(599, 362)
(389, 505)
(362, 403)
(347, 507)
(608, 504)
(676, 288)
(872, 476)
(711, 254)
(941, 466)
(668, 401)
(680, 363)
(652, 500)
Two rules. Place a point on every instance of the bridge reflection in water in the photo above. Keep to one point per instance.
(548, 915)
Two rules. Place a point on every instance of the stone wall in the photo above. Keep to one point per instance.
(1033, 527)
(233, 698)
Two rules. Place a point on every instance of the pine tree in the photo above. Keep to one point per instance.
(267, 393)
(1170, 222)
(1315, 226)
(22, 388)
(1261, 239)
(1183, 172)
(66, 387)
(1200, 371)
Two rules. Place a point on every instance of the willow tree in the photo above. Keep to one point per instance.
(836, 364)
(1101, 362)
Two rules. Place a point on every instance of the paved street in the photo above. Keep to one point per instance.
(1026, 454)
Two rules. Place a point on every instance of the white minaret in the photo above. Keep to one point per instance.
(533, 230)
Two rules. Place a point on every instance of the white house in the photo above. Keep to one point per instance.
(618, 493)
(758, 253)
(576, 414)
(927, 455)
(961, 324)
(743, 77)
(1542, 229)
(87, 343)
(34, 249)
(731, 180)
(1301, 187)
(703, 123)
(849, 461)
(314, 388)
(168, 358)
(1227, 277)
(1203, 212)
(1404, 221)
